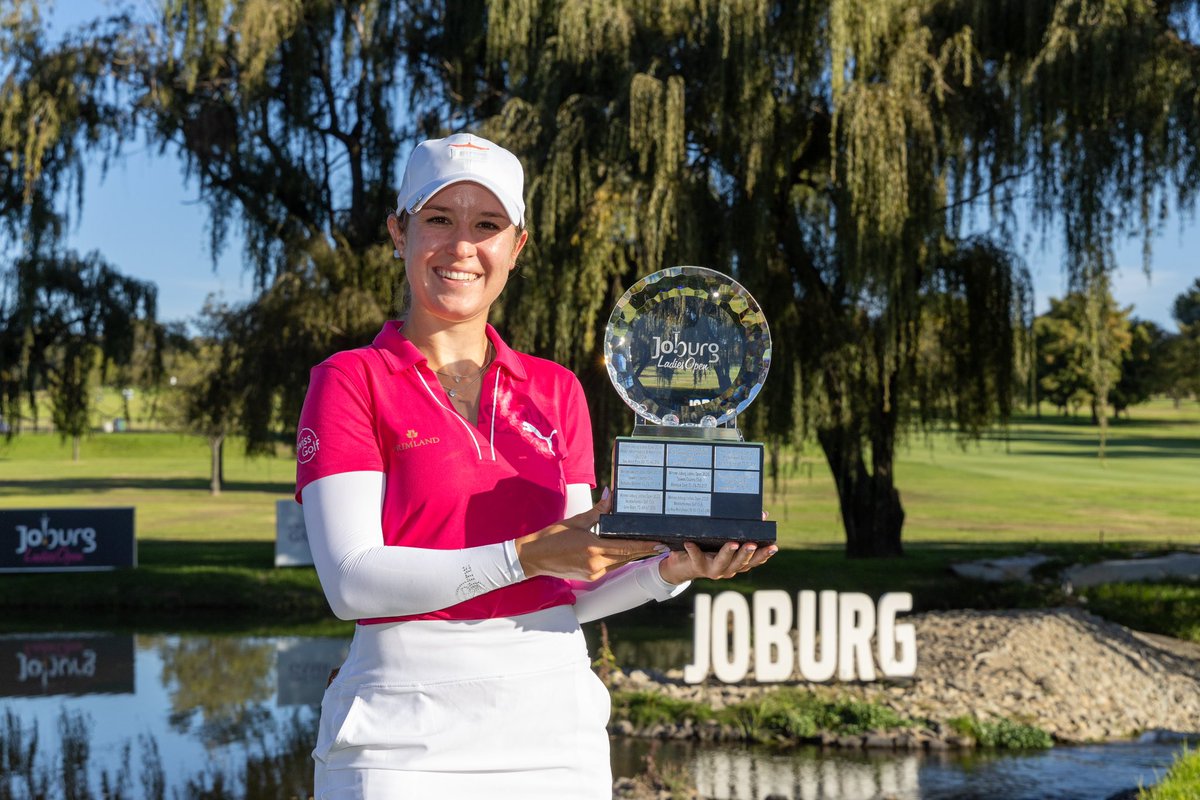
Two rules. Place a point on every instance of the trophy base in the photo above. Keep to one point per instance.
(707, 532)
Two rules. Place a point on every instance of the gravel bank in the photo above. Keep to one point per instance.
(1071, 673)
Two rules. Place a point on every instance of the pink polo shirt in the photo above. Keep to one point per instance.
(451, 484)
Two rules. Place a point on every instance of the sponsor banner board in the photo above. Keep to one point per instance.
(35, 665)
(291, 539)
(66, 539)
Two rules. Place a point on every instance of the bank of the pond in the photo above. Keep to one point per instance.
(992, 678)
(793, 715)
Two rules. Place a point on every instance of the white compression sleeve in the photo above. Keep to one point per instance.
(363, 578)
(625, 587)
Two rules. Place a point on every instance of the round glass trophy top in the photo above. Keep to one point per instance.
(687, 346)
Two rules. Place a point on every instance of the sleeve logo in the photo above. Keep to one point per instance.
(307, 445)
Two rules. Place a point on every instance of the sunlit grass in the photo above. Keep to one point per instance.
(164, 476)
(1040, 481)
(1182, 781)
(1039, 485)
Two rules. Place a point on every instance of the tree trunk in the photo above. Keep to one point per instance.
(217, 446)
(871, 511)
(74, 448)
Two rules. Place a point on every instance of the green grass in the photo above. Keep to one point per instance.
(1040, 485)
(204, 562)
(1040, 482)
(1169, 608)
(165, 476)
(790, 715)
(1182, 781)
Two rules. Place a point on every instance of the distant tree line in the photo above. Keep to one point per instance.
(1135, 360)
(829, 155)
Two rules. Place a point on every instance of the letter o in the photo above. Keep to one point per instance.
(730, 637)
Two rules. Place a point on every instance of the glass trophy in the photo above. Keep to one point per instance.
(688, 349)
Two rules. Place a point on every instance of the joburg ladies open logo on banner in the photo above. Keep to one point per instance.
(43, 544)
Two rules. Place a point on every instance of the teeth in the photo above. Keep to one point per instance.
(455, 275)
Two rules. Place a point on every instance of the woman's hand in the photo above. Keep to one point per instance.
(691, 562)
(569, 549)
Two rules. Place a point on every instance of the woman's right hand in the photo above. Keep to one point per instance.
(568, 548)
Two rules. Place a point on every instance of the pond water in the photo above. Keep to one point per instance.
(163, 716)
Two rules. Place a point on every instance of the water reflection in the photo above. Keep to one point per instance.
(745, 776)
(804, 773)
(122, 716)
(302, 668)
(808, 773)
(217, 686)
(33, 665)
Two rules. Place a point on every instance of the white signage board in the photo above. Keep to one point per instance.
(291, 540)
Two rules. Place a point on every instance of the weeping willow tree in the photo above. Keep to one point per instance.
(60, 314)
(68, 320)
(285, 116)
(830, 155)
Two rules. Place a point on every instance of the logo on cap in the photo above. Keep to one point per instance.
(468, 151)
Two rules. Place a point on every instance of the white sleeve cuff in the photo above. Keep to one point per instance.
(623, 589)
(516, 572)
(651, 580)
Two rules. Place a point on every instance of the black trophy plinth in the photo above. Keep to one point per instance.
(697, 489)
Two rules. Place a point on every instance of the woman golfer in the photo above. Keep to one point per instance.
(446, 482)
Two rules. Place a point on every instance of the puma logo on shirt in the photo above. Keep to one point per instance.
(529, 428)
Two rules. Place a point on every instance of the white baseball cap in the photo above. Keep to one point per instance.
(438, 163)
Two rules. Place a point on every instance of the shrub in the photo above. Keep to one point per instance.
(1003, 733)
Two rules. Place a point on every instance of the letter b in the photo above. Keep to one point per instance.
(772, 636)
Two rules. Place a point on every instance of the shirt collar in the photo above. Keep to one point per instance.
(400, 354)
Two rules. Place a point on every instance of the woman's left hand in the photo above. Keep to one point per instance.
(691, 562)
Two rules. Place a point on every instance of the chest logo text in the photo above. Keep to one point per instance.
(413, 440)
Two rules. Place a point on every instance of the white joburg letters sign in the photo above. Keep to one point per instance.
(732, 634)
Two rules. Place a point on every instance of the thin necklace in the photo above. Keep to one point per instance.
(458, 379)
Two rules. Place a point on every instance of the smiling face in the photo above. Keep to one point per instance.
(458, 251)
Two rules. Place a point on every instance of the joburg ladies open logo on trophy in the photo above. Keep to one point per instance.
(684, 355)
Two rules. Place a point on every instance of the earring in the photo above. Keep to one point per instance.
(395, 254)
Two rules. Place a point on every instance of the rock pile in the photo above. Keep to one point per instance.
(1075, 675)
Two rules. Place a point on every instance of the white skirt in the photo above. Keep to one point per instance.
(498, 708)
